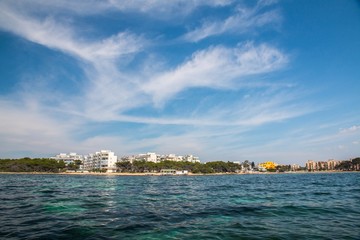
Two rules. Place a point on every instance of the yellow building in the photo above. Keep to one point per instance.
(268, 165)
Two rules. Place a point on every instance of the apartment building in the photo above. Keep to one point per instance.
(148, 157)
(191, 158)
(68, 158)
(156, 158)
(102, 160)
(322, 165)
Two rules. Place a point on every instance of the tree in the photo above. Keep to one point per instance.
(344, 166)
(31, 165)
(124, 166)
(356, 163)
(283, 168)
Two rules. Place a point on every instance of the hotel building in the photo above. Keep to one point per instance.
(102, 160)
(322, 165)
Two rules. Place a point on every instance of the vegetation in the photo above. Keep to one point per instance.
(209, 167)
(283, 168)
(74, 166)
(54, 166)
(353, 165)
(31, 165)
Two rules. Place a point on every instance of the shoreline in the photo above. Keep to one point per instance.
(160, 174)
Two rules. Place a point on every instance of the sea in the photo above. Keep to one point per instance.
(254, 206)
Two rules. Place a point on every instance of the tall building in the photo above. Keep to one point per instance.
(331, 164)
(322, 165)
(102, 160)
(311, 166)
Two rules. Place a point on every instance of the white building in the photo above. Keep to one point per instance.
(295, 167)
(103, 160)
(148, 157)
(153, 157)
(68, 158)
(171, 157)
(191, 158)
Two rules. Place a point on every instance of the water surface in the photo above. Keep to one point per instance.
(278, 206)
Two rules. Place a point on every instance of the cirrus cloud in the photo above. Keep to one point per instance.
(215, 67)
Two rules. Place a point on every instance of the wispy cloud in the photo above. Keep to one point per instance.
(166, 8)
(50, 33)
(155, 8)
(351, 129)
(99, 59)
(244, 20)
(24, 125)
(40, 119)
(110, 90)
(215, 67)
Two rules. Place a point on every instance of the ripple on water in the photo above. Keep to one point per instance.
(283, 206)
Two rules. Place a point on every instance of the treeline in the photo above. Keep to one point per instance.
(209, 167)
(282, 168)
(31, 165)
(351, 165)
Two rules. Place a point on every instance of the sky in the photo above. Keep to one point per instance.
(226, 80)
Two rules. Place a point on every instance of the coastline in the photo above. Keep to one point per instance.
(160, 174)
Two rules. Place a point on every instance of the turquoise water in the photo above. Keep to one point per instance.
(279, 206)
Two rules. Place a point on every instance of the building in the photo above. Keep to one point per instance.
(130, 159)
(322, 165)
(267, 166)
(104, 160)
(173, 172)
(295, 167)
(331, 164)
(171, 157)
(155, 158)
(191, 158)
(68, 158)
(147, 157)
(311, 165)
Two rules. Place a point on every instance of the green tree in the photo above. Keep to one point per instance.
(344, 166)
(124, 166)
(31, 165)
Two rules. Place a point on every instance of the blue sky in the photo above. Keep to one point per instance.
(222, 79)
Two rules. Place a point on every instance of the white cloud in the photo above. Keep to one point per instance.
(111, 90)
(36, 130)
(108, 88)
(155, 8)
(215, 67)
(24, 125)
(50, 33)
(244, 20)
(350, 129)
(161, 8)
(59, 6)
